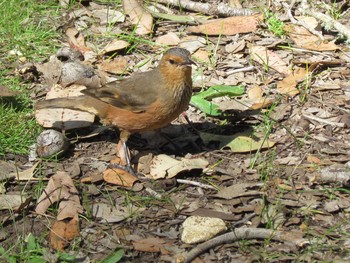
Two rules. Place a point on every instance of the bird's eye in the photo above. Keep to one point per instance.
(171, 61)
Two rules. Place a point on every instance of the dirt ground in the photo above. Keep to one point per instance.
(299, 186)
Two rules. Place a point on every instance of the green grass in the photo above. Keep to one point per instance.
(28, 33)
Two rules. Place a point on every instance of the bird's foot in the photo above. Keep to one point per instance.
(126, 168)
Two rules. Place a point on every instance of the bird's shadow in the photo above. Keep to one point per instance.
(174, 139)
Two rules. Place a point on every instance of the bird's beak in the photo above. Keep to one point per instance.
(190, 62)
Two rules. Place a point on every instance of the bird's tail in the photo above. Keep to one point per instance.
(82, 103)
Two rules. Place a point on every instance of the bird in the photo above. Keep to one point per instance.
(143, 102)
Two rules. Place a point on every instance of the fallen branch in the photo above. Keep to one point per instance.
(243, 233)
(300, 23)
(306, 9)
(208, 8)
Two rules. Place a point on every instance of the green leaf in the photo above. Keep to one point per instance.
(31, 243)
(5, 255)
(221, 90)
(239, 142)
(205, 106)
(200, 100)
(36, 259)
(115, 257)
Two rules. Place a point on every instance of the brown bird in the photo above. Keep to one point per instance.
(145, 101)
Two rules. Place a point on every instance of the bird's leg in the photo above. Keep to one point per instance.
(124, 136)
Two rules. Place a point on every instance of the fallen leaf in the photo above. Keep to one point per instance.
(238, 190)
(119, 177)
(6, 92)
(114, 46)
(269, 59)
(152, 244)
(169, 39)
(228, 26)
(288, 84)
(76, 39)
(304, 39)
(202, 56)
(255, 93)
(64, 119)
(192, 43)
(11, 201)
(239, 142)
(60, 188)
(138, 16)
(107, 213)
(62, 232)
(164, 166)
(108, 16)
(116, 66)
(26, 175)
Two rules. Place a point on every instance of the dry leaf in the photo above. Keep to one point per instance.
(108, 214)
(114, 46)
(237, 190)
(6, 92)
(60, 187)
(76, 39)
(269, 59)
(119, 177)
(229, 26)
(164, 166)
(152, 244)
(304, 39)
(202, 56)
(138, 16)
(62, 232)
(108, 16)
(64, 119)
(255, 93)
(26, 175)
(116, 66)
(11, 201)
(169, 39)
(240, 142)
(288, 84)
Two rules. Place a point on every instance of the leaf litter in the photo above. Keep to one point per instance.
(290, 178)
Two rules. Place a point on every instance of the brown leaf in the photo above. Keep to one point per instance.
(303, 38)
(62, 232)
(60, 118)
(169, 39)
(60, 187)
(114, 46)
(6, 92)
(76, 39)
(116, 66)
(138, 16)
(229, 26)
(119, 177)
(269, 59)
(152, 244)
(164, 166)
(288, 84)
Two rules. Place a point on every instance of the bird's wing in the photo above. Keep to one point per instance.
(134, 94)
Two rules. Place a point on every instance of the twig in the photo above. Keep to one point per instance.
(244, 220)
(208, 8)
(327, 122)
(242, 233)
(306, 9)
(205, 186)
(233, 71)
(300, 23)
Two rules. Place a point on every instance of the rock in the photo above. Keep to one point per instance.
(198, 229)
